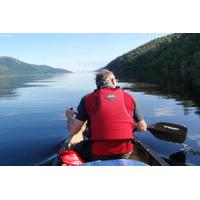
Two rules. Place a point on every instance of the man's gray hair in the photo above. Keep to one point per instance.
(103, 77)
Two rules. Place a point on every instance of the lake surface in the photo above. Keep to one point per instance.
(33, 124)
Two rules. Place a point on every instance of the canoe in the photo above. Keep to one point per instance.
(146, 154)
(142, 155)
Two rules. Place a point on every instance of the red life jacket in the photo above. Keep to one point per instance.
(110, 111)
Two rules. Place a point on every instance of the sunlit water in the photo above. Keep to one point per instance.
(32, 117)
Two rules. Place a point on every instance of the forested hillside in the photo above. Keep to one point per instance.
(172, 60)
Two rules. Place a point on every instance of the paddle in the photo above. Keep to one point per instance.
(161, 130)
(168, 132)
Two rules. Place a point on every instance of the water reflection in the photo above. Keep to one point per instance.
(9, 84)
(32, 121)
(156, 90)
(31, 124)
(164, 111)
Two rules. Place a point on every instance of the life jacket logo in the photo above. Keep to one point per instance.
(111, 97)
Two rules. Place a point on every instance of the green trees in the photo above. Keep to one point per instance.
(172, 61)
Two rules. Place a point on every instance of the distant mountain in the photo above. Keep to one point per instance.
(172, 61)
(12, 66)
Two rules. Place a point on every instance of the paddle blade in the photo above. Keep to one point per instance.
(169, 132)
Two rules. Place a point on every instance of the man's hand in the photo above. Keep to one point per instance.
(141, 126)
(74, 124)
(69, 113)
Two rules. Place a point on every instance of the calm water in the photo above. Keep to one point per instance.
(32, 121)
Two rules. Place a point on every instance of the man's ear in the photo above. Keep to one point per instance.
(113, 81)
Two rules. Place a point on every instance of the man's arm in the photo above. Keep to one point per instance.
(74, 124)
(140, 122)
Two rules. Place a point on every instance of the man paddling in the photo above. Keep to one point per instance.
(112, 116)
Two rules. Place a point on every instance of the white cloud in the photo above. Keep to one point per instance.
(164, 111)
(5, 35)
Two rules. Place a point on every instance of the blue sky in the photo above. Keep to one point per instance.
(72, 51)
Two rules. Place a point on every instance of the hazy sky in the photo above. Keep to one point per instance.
(75, 52)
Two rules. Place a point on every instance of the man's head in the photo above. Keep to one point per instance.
(105, 78)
